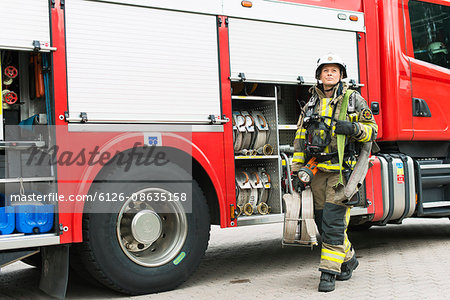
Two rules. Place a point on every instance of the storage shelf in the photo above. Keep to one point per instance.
(272, 81)
(287, 127)
(21, 144)
(266, 103)
(257, 157)
(30, 179)
(253, 98)
(259, 219)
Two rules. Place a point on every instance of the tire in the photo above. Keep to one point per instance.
(119, 259)
(77, 269)
(360, 227)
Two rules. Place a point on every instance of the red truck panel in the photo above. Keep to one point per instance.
(372, 49)
(395, 80)
(354, 5)
(374, 190)
(228, 158)
(60, 96)
(430, 83)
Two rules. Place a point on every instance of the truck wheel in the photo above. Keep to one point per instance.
(360, 227)
(143, 246)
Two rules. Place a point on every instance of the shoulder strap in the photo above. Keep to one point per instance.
(351, 102)
(345, 106)
(307, 113)
(340, 137)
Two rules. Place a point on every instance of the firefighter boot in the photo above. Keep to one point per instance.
(327, 281)
(347, 269)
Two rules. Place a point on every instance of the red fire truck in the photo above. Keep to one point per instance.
(131, 126)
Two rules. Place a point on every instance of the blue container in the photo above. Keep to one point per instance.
(34, 218)
(7, 220)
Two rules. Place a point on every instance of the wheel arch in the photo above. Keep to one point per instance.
(199, 173)
(202, 172)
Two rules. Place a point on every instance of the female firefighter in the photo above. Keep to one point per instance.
(318, 129)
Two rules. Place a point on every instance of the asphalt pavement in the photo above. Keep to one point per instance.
(408, 261)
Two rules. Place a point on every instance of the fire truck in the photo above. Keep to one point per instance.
(132, 126)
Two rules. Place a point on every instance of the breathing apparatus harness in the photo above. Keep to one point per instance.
(319, 129)
(318, 132)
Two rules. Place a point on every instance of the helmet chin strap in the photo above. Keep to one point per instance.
(330, 89)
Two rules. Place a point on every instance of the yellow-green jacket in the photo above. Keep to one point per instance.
(367, 127)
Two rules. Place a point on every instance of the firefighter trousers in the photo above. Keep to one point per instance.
(336, 248)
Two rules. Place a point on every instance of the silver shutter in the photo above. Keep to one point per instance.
(199, 6)
(289, 12)
(137, 64)
(23, 22)
(282, 52)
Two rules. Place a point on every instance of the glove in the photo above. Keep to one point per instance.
(346, 128)
(298, 185)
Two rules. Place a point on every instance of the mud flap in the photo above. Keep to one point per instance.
(55, 271)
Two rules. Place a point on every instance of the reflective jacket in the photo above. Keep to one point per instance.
(362, 116)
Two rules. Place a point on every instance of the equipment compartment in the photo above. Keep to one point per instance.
(26, 88)
(281, 105)
(25, 141)
(255, 124)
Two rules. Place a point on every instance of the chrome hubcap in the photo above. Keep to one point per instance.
(151, 233)
(146, 226)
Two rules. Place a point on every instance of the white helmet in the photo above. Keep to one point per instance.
(331, 58)
(437, 47)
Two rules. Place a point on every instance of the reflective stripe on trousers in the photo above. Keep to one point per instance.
(336, 247)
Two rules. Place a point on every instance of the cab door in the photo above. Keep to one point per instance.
(427, 27)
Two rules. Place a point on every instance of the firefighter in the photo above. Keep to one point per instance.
(318, 128)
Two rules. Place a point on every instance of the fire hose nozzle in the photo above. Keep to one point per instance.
(287, 149)
(267, 149)
(239, 210)
(248, 209)
(245, 152)
(263, 208)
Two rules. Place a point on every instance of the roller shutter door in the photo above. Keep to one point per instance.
(137, 64)
(23, 22)
(282, 52)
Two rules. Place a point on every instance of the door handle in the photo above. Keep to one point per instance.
(375, 108)
(420, 108)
